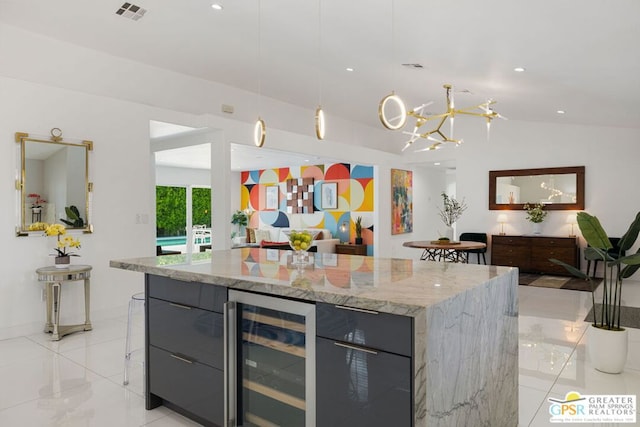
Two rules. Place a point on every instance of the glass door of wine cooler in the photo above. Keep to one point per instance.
(270, 362)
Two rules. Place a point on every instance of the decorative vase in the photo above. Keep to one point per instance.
(301, 242)
(62, 261)
(358, 240)
(608, 349)
(537, 228)
(448, 233)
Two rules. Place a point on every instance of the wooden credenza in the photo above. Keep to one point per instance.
(351, 249)
(531, 254)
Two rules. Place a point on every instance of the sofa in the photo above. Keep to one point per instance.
(275, 237)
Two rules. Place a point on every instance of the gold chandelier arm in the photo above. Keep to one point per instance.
(482, 110)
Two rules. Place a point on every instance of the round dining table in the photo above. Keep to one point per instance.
(447, 252)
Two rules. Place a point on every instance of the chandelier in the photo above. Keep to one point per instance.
(437, 135)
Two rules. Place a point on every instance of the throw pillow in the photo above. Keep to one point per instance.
(262, 235)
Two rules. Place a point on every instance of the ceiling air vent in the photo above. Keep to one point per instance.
(131, 11)
(413, 65)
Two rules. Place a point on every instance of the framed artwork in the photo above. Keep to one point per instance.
(401, 201)
(330, 260)
(329, 193)
(271, 197)
(300, 195)
(273, 255)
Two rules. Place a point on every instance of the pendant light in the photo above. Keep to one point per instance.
(319, 117)
(259, 129)
(391, 110)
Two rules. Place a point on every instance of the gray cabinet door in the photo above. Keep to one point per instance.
(361, 388)
(191, 386)
(187, 330)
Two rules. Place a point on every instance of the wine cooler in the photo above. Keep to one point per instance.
(270, 365)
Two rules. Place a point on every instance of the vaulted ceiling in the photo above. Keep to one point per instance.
(580, 56)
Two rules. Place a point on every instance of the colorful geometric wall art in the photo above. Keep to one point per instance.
(355, 197)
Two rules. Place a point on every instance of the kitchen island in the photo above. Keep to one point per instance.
(460, 356)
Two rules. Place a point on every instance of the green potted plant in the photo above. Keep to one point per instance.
(239, 219)
(607, 343)
(535, 214)
(358, 227)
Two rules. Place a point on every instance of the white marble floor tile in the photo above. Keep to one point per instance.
(34, 378)
(106, 358)
(136, 376)
(529, 402)
(98, 403)
(103, 331)
(558, 304)
(20, 349)
(172, 420)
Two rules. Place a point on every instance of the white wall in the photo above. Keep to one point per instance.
(610, 157)
(110, 101)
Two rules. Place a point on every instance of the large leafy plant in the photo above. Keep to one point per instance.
(614, 271)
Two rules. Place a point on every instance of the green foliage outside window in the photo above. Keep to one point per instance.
(201, 206)
(171, 209)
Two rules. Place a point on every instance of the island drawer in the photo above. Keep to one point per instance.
(361, 388)
(196, 333)
(365, 328)
(187, 384)
(202, 295)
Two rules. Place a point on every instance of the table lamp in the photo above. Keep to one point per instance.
(343, 230)
(502, 218)
(572, 220)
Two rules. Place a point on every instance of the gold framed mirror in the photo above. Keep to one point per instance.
(560, 188)
(53, 186)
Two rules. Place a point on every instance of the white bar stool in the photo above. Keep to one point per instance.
(137, 300)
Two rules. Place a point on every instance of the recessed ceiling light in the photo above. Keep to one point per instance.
(519, 69)
(217, 6)
(436, 164)
(349, 69)
(560, 111)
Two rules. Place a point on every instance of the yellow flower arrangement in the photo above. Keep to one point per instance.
(65, 241)
(38, 226)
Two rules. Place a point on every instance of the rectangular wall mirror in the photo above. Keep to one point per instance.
(557, 188)
(53, 186)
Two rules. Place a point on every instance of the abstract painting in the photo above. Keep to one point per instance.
(401, 201)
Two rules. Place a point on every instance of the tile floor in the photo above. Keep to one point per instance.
(78, 381)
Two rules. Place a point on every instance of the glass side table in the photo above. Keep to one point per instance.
(54, 278)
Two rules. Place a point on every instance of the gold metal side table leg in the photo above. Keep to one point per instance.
(48, 326)
(87, 306)
(56, 289)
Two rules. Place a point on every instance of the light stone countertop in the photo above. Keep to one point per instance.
(398, 286)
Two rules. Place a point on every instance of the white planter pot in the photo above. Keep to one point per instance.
(608, 349)
(536, 227)
(448, 233)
